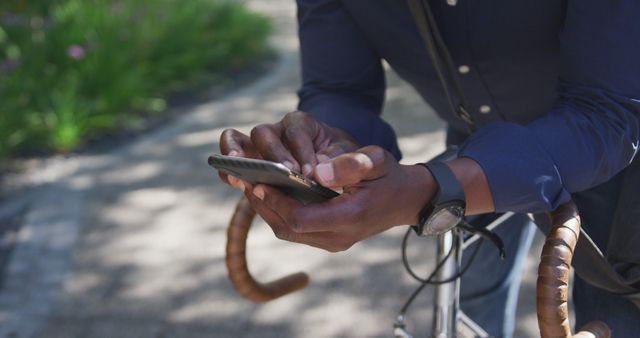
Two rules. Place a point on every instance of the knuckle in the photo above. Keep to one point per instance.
(296, 118)
(297, 115)
(227, 134)
(288, 117)
(260, 129)
(291, 132)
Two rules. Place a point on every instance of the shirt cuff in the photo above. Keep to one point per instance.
(521, 174)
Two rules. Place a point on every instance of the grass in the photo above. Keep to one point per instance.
(73, 69)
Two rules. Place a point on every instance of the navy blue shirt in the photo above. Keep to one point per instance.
(553, 85)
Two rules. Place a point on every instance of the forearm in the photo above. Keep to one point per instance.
(537, 167)
(592, 131)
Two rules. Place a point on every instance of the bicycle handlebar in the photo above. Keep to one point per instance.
(553, 278)
(237, 267)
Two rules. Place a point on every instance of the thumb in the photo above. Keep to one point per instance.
(364, 164)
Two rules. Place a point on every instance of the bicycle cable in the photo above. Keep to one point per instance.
(428, 281)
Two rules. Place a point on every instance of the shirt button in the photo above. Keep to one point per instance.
(485, 109)
(464, 69)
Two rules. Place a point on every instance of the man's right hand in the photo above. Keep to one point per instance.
(298, 141)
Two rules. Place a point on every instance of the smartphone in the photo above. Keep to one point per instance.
(274, 174)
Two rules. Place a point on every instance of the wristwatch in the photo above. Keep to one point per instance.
(446, 209)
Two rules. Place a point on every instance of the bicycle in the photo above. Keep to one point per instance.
(448, 321)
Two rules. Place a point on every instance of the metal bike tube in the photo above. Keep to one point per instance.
(446, 295)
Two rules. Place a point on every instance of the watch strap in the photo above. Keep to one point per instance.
(449, 188)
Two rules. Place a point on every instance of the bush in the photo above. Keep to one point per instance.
(70, 68)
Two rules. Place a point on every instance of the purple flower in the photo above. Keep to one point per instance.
(76, 52)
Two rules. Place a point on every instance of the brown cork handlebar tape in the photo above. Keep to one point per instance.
(236, 261)
(553, 278)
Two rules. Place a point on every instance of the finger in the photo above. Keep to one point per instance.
(235, 143)
(275, 222)
(285, 206)
(322, 240)
(267, 140)
(300, 134)
(330, 216)
(299, 141)
(234, 182)
(367, 163)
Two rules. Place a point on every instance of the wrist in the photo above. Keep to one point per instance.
(421, 187)
(474, 182)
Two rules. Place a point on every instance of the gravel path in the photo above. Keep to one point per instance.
(130, 243)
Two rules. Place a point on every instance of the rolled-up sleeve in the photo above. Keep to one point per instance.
(592, 132)
(343, 81)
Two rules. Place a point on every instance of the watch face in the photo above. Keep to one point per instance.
(443, 220)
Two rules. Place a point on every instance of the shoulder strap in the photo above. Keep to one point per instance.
(441, 58)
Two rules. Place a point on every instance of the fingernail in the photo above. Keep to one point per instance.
(288, 165)
(307, 169)
(324, 171)
(233, 153)
(259, 192)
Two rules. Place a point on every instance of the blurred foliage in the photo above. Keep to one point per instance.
(73, 68)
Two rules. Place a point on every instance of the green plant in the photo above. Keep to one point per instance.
(73, 68)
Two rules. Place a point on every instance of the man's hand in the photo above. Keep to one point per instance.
(378, 193)
(298, 141)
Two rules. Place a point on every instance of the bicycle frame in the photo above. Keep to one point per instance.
(448, 320)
